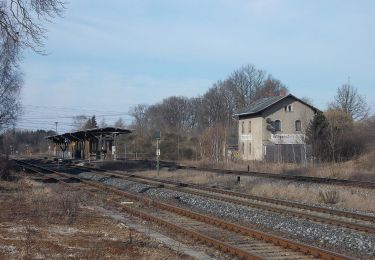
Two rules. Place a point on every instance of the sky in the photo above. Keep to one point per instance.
(103, 57)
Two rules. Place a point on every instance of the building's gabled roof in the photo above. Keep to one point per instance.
(264, 103)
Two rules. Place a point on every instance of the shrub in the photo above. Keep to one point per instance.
(68, 203)
(329, 197)
(5, 169)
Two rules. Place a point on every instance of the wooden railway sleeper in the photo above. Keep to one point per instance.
(268, 200)
(271, 238)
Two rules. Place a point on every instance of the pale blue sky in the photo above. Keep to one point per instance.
(109, 55)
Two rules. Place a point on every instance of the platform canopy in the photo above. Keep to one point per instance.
(88, 134)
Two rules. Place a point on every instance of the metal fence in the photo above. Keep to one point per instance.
(287, 153)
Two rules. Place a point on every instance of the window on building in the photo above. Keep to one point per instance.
(288, 108)
(249, 126)
(242, 148)
(298, 125)
(249, 148)
(243, 127)
(277, 125)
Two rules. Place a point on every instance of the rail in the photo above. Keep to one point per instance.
(275, 240)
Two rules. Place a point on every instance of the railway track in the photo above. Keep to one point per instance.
(237, 240)
(299, 178)
(338, 218)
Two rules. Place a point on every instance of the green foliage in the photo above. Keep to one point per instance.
(317, 135)
(318, 126)
(334, 136)
(91, 123)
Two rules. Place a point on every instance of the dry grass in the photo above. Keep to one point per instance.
(49, 221)
(5, 169)
(362, 168)
(196, 177)
(344, 197)
(257, 166)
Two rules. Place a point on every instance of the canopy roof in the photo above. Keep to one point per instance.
(87, 134)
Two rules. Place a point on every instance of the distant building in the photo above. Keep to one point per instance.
(273, 129)
(95, 143)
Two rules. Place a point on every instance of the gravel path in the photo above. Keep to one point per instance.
(358, 242)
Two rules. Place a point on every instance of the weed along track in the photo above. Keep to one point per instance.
(346, 219)
(321, 180)
(231, 238)
(328, 216)
(299, 178)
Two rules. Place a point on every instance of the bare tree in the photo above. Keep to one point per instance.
(270, 87)
(212, 143)
(185, 120)
(24, 141)
(340, 124)
(10, 85)
(140, 115)
(103, 123)
(245, 82)
(120, 123)
(79, 122)
(349, 100)
(370, 125)
(175, 113)
(215, 105)
(197, 114)
(21, 21)
(20, 27)
(308, 100)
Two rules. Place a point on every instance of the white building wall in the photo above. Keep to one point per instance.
(259, 134)
(251, 138)
(299, 112)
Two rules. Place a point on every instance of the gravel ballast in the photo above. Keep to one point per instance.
(316, 233)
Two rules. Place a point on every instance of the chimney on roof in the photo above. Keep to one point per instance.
(282, 92)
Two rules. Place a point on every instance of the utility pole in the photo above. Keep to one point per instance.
(56, 126)
(157, 136)
(125, 150)
(157, 155)
(178, 147)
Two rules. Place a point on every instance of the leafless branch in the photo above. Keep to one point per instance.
(349, 100)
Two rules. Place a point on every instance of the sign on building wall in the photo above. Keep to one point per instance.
(288, 138)
(247, 137)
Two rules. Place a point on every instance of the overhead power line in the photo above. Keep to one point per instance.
(45, 117)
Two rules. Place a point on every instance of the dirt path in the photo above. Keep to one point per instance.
(171, 243)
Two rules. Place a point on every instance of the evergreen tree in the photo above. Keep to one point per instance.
(317, 136)
(91, 123)
(94, 124)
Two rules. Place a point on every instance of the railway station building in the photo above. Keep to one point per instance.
(90, 144)
(273, 129)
